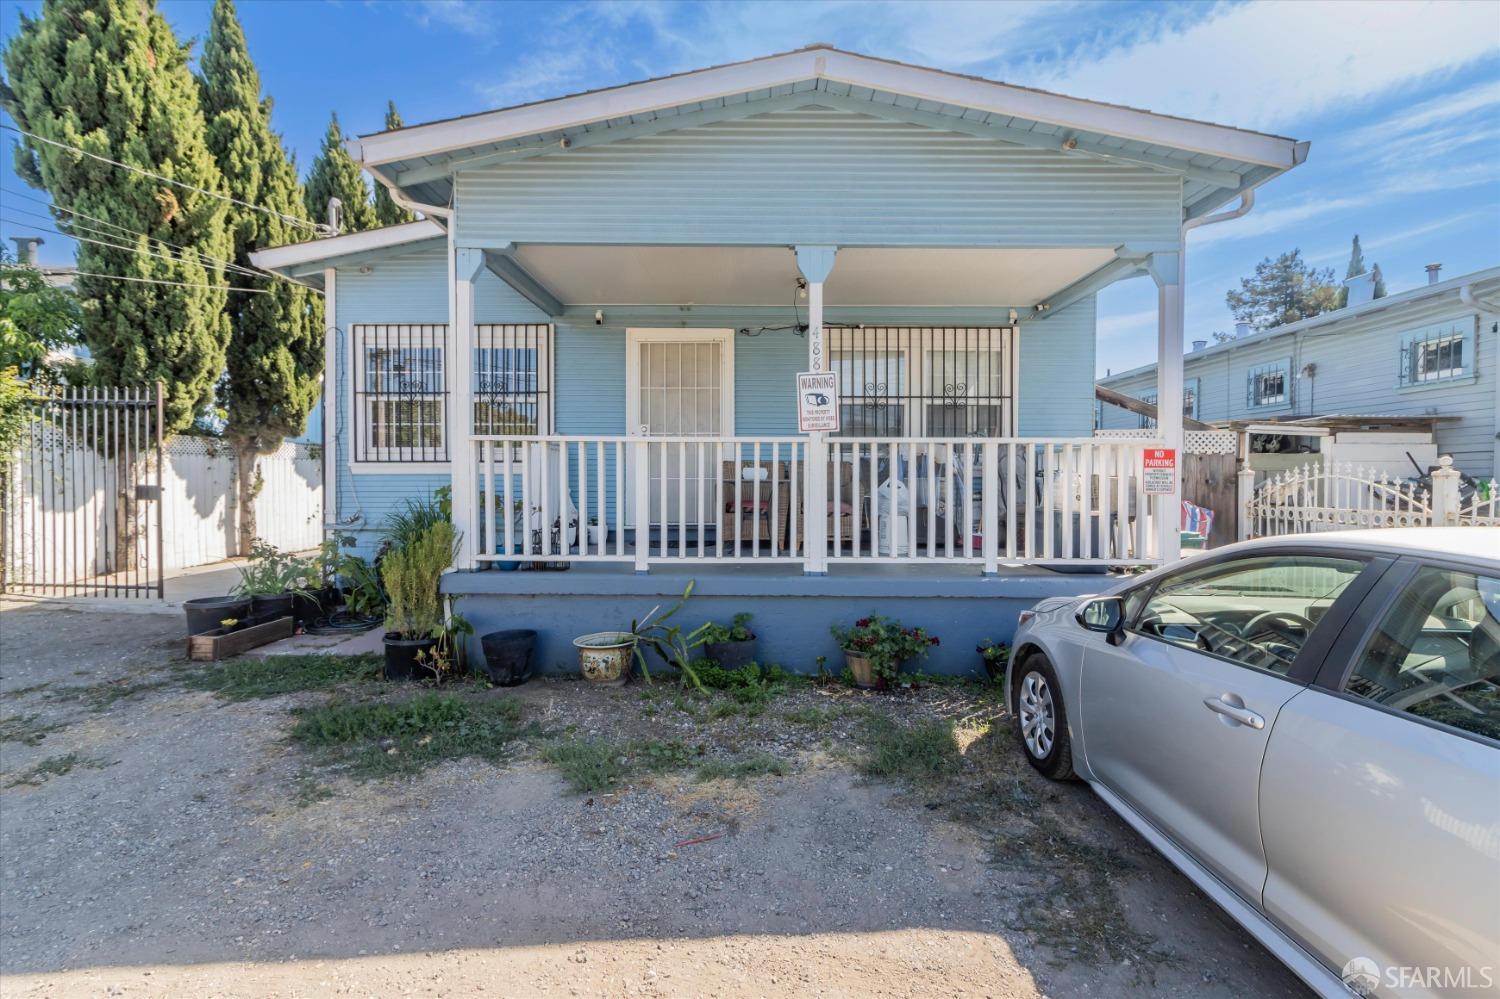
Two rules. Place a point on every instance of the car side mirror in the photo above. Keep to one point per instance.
(1105, 615)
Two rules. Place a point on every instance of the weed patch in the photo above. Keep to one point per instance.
(382, 739)
(744, 768)
(916, 752)
(246, 678)
(587, 765)
(27, 729)
(54, 766)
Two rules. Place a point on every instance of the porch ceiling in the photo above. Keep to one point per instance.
(767, 275)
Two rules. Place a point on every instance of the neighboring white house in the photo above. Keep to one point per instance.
(1432, 351)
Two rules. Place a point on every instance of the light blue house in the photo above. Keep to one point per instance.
(595, 333)
(1430, 352)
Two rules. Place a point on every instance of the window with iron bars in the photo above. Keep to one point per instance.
(512, 380)
(923, 382)
(400, 393)
(1268, 385)
(1434, 354)
(401, 388)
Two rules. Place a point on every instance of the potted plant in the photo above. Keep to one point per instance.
(268, 579)
(596, 533)
(876, 647)
(604, 657)
(994, 656)
(731, 646)
(206, 613)
(414, 616)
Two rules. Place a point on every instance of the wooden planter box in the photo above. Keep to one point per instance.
(219, 644)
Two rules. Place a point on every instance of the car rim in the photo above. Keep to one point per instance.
(1037, 716)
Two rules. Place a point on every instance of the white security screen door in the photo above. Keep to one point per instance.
(680, 384)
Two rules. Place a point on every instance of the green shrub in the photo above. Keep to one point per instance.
(411, 574)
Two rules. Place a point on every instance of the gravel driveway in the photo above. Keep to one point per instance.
(159, 840)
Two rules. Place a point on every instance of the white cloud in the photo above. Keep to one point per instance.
(473, 18)
(1273, 64)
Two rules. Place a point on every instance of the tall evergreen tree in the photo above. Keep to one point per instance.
(276, 343)
(109, 77)
(1379, 283)
(1355, 269)
(387, 212)
(336, 175)
(1283, 290)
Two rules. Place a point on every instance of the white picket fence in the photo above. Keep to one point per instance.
(1342, 497)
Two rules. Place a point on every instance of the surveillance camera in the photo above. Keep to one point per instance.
(598, 317)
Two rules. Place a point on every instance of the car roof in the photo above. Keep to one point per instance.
(1470, 544)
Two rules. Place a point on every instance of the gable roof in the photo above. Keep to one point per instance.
(1223, 160)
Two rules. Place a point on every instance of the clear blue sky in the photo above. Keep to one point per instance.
(1401, 100)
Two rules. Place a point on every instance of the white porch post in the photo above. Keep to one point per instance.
(467, 263)
(1167, 271)
(815, 263)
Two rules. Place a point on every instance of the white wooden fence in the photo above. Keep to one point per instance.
(63, 513)
(645, 501)
(1343, 497)
(200, 490)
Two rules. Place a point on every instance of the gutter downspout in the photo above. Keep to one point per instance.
(357, 153)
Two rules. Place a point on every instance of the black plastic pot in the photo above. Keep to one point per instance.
(401, 655)
(272, 605)
(308, 606)
(731, 655)
(507, 656)
(205, 613)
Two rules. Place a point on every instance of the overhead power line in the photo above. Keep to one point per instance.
(114, 241)
(288, 219)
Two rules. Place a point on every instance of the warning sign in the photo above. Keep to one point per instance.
(1159, 470)
(818, 402)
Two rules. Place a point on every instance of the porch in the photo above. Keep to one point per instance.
(968, 505)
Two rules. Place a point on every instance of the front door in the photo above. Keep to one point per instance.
(680, 388)
(1176, 717)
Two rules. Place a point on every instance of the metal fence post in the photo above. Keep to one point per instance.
(1445, 501)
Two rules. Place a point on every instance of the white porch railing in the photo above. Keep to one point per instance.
(647, 501)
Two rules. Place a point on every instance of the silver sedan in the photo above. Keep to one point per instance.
(1309, 728)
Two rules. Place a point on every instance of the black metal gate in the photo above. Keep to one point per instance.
(80, 501)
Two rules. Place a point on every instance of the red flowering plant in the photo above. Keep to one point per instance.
(885, 643)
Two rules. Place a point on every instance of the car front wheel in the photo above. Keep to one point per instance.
(1041, 723)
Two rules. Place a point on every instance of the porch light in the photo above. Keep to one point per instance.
(802, 289)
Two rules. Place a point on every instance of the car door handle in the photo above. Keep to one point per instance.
(1238, 712)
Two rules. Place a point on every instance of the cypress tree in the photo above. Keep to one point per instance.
(335, 175)
(109, 77)
(276, 344)
(1379, 283)
(387, 212)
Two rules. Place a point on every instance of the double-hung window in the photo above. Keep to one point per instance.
(512, 380)
(1269, 386)
(400, 393)
(1438, 353)
(1144, 421)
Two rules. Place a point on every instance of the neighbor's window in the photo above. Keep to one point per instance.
(400, 393)
(1190, 399)
(1269, 385)
(1147, 422)
(1436, 654)
(1434, 354)
(512, 380)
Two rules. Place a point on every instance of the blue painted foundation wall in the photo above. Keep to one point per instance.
(792, 618)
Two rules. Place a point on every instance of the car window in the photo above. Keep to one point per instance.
(1436, 653)
(1255, 611)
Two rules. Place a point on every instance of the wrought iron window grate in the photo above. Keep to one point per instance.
(899, 381)
(400, 393)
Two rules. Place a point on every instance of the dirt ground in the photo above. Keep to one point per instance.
(157, 840)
